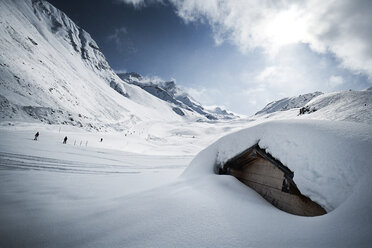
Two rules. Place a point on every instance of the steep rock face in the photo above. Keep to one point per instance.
(71, 36)
(168, 91)
(47, 62)
(288, 103)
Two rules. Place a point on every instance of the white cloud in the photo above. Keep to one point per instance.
(133, 2)
(139, 3)
(204, 95)
(335, 81)
(152, 79)
(196, 93)
(213, 107)
(343, 27)
(283, 79)
(267, 73)
(253, 91)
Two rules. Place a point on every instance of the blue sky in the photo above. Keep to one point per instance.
(236, 54)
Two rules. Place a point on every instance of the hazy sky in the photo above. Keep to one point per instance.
(237, 54)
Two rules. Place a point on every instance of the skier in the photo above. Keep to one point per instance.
(101, 139)
(36, 135)
(65, 140)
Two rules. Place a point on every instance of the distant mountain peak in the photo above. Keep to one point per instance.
(169, 91)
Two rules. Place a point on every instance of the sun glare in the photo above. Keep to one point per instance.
(287, 27)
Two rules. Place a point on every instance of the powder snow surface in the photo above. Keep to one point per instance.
(55, 195)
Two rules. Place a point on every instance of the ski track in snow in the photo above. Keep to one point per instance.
(26, 162)
(18, 161)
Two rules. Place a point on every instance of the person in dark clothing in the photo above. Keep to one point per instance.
(65, 140)
(302, 110)
(101, 139)
(36, 135)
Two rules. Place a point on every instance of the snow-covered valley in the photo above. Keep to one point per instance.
(97, 194)
(48, 187)
(141, 164)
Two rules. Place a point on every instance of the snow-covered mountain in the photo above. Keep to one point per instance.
(168, 91)
(349, 105)
(53, 71)
(288, 103)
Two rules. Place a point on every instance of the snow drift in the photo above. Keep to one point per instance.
(328, 158)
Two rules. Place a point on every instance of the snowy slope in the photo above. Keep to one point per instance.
(170, 92)
(52, 70)
(288, 103)
(353, 106)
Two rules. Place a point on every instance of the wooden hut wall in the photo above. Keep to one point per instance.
(272, 183)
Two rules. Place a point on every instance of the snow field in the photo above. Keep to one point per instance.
(47, 186)
(65, 195)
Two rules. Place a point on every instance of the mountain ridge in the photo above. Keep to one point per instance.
(288, 103)
(168, 91)
(53, 71)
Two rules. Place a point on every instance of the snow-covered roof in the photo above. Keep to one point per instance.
(257, 149)
(328, 158)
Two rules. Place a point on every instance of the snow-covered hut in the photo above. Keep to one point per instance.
(272, 180)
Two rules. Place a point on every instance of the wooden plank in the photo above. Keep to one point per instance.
(263, 167)
(256, 170)
(267, 180)
(290, 203)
